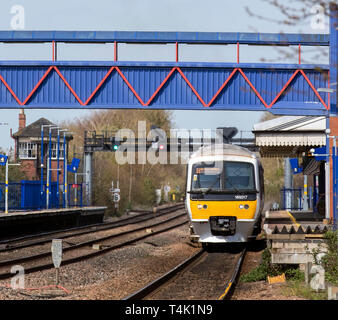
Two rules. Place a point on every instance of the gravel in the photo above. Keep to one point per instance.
(111, 276)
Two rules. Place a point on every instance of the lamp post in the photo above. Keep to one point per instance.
(76, 174)
(42, 137)
(4, 160)
(65, 170)
(49, 166)
(58, 165)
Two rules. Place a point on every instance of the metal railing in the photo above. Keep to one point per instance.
(26, 196)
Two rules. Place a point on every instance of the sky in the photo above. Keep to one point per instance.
(145, 15)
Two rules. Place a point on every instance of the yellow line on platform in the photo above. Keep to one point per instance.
(293, 219)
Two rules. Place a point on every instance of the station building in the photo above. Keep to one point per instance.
(27, 148)
(293, 138)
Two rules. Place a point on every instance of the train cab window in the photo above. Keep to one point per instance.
(206, 175)
(239, 175)
(225, 176)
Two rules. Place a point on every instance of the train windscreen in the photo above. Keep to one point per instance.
(223, 176)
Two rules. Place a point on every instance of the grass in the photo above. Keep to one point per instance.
(300, 289)
(266, 268)
(295, 285)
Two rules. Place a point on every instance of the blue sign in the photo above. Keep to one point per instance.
(295, 166)
(74, 166)
(318, 152)
(3, 160)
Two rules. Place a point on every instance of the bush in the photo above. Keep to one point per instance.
(330, 261)
(148, 196)
(266, 268)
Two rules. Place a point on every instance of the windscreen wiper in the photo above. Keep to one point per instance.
(198, 191)
(229, 180)
(213, 191)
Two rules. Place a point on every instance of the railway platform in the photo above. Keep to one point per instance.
(294, 235)
(29, 222)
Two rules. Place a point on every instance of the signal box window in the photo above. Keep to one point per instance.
(54, 151)
(27, 150)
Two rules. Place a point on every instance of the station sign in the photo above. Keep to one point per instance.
(3, 159)
(295, 166)
(74, 166)
(320, 153)
(116, 197)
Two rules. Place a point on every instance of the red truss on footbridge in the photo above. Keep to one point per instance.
(280, 88)
(163, 83)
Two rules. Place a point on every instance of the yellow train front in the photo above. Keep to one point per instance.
(225, 193)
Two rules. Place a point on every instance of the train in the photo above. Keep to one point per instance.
(224, 194)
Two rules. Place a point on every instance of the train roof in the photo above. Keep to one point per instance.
(223, 149)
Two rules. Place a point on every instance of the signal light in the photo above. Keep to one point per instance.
(161, 146)
(115, 142)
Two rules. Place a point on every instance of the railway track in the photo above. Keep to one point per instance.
(41, 238)
(204, 276)
(84, 250)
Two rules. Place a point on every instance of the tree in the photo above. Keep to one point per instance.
(296, 13)
(136, 181)
(15, 173)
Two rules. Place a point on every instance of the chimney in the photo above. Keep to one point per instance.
(22, 119)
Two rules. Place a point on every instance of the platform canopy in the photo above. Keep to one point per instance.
(289, 136)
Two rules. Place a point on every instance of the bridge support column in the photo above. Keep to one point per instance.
(333, 122)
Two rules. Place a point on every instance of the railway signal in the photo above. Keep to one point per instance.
(158, 146)
(115, 143)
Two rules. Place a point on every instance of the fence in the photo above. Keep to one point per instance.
(14, 196)
(293, 199)
(26, 195)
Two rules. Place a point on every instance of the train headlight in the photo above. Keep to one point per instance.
(242, 206)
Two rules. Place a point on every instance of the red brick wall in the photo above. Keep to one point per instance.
(54, 172)
(29, 168)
